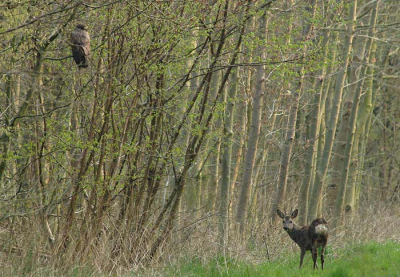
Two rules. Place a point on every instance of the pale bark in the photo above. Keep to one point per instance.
(213, 170)
(242, 123)
(325, 109)
(285, 157)
(311, 151)
(354, 105)
(237, 148)
(341, 137)
(253, 133)
(292, 122)
(320, 178)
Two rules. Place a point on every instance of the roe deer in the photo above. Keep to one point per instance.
(308, 237)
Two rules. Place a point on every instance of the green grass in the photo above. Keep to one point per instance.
(372, 259)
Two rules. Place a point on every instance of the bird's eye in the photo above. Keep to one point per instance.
(290, 221)
(283, 221)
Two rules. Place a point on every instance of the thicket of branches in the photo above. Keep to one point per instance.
(191, 111)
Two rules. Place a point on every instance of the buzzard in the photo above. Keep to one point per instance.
(80, 45)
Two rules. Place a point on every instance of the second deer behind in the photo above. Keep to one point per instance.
(309, 237)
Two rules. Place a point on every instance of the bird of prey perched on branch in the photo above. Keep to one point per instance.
(80, 45)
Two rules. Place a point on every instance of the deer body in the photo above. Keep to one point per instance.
(308, 237)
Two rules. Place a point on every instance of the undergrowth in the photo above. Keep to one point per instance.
(362, 248)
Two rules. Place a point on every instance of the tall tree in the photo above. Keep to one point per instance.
(320, 177)
(354, 106)
(254, 129)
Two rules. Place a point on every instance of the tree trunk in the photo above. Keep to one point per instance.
(254, 132)
(285, 158)
(320, 178)
(352, 127)
(225, 181)
(292, 121)
(340, 140)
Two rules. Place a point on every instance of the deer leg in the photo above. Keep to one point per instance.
(322, 257)
(303, 252)
(314, 256)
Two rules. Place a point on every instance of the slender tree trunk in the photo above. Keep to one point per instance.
(225, 181)
(360, 139)
(242, 119)
(214, 161)
(254, 132)
(261, 164)
(320, 178)
(237, 148)
(226, 144)
(324, 111)
(364, 124)
(311, 151)
(340, 140)
(285, 158)
(292, 122)
(352, 127)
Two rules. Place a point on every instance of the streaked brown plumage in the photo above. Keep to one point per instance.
(80, 45)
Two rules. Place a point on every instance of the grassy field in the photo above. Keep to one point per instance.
(372, 259)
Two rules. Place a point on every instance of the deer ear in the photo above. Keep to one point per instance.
(280, 214)
(294, 214)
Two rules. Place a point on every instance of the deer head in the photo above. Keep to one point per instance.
(287, 220)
